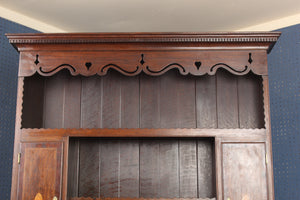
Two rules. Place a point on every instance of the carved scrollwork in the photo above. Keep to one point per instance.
(183, 70)
(165, 69)
(104, 69)
(58, 68)
(186, 66)
(215, 67)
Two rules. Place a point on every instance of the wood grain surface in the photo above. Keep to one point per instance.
(32, 113)
(88, 184)
(188, 167)
(150, 101)
(149, 168)
(250, 97)
(88, 198)
(206, 168)
(72, 101)
(169, 101)
(129, 185)
(91, 101)
(73, 168)
(244, 163)
(54, 101)
(41, 166)
(206, 102)
(130, 102)
(227, 100)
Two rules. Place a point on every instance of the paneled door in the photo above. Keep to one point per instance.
(244, 171)
(40, 170)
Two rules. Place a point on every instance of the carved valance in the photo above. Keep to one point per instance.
(151, 53)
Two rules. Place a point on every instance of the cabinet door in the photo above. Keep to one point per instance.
(40, 170)
(244, 171)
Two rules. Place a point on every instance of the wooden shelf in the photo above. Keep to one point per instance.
(88, 198)
(57, 134)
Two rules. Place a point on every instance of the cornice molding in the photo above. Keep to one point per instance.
(151, 53)
(78, 38)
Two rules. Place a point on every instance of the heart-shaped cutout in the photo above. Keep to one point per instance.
(198, 64)
(88, 65)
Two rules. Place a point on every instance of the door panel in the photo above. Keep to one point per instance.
(244, 171)
(40, 170)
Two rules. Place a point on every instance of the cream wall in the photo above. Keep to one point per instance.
(29, 22)
(274, 24)
(47, 28)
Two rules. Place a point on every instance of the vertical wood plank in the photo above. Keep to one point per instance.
(169, 111)
(89, 168)
(72, 102)
(177, 111)
(266, 100)
(15, 167)
(186, 101)
(206, 178)
(218, 168)
(188, 168)
(91, 96)
(227, 100)
(149, 169)
(251, 113)
(111, 105)
(32, 112)
(54, 100)
(129, 149)
(169, 169)
(206, 102)
(160, 168)
(168, 150)
(149, 101)
(64, 172)
(130, 102)
(129, 168)
(110, 168)
(73, 168)
(177, 101)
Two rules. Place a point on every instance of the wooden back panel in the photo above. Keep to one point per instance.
(146, 168)
(168, 101)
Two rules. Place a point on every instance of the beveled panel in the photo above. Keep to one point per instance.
(40, 170)
(244, 171)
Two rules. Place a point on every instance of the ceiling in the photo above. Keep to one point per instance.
(152, 15)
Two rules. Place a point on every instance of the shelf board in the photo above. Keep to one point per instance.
(89, 198)
(57, 134)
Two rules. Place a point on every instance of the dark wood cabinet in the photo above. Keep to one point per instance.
(143, 115)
